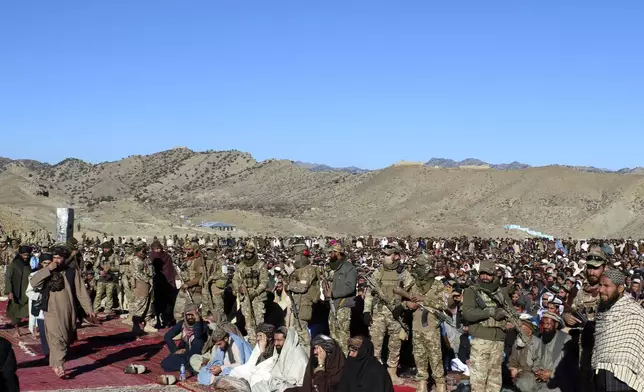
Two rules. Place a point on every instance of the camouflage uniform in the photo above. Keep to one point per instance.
(215, 281)
(191, 276)
(142, 274)
(304, 287)
(488, 334)
(251, 276)
(6, 256)
(343, 292)
(383, 321)
(586, 304)
(105, 285)
(426, 333)
(125, 287)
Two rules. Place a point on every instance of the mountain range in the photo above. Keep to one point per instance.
(172, 191)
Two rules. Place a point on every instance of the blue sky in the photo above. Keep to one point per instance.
(347, 82)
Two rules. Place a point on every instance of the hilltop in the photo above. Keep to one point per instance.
(148, 194)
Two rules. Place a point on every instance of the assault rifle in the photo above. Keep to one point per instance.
(374, 286)
(440, 316)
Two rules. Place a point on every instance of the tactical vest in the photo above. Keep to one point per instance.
(250, 276)
(490, 303)
(388, 282)
(220, 278)
(586, 304)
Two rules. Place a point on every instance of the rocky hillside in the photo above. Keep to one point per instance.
(150, 193)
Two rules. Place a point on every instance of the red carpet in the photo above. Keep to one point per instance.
(96, 360)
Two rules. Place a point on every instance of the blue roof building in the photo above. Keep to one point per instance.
(221, 226)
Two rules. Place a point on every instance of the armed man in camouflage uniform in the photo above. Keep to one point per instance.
(142, 273)
(342, 294)
(430, 293)
(377, 312)
(125, 277)
(7, 254)
(249, 285)
(215, 281)
(487, 327)
(106, 272)
(191, 273)
(303, 285)
(584, 305)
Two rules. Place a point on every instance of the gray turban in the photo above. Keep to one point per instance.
(616, 276)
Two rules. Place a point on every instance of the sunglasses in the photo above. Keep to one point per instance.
(594, 258)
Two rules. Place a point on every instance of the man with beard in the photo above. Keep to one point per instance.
(291, 364)
(303, 286)
(191, 271)
(106, 269)
(229, 351)
(249, 285)
(262, 358)
(125, 277)
(193, 336)
(342, 292)
(16, 283)
(585, 304)
(617, 360)
(525, 357)
(384, 321)
(164, 285)
(425, 328)
(551, 374)
(487, 326)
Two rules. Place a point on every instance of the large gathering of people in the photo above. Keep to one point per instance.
(274, 314)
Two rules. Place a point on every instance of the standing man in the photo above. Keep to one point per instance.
(303, 286)
(377, 311)
(215, 281)
(142, 273)
(585, 305)
(249, 285)
(487, 326)
(617, 356)
(125, 277)
(17, 280)
(342, 293)
(106, 269)
(429, 292)
(191, 272)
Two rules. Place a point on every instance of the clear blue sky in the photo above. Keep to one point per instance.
(344, 82)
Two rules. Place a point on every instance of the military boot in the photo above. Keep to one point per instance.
(394, 377)
(422, 386)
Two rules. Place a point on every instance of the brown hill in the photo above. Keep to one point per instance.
(148, 194)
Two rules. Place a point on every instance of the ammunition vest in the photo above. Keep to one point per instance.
(586, 304)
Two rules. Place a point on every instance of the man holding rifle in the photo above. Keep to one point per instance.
(249, 285)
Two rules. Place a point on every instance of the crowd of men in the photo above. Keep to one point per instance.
(442, 313)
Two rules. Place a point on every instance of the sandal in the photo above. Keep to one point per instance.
(167, 380)
(134, 369)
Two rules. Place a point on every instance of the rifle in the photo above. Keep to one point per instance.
(296, 312)
(324, 285)
(250, 302)
(176, 267)
(440, 316)
(513, 316)
(384, 299)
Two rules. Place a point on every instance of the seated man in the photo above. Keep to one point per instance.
(263, 357)
(289, 370)
(193, 336)
(525, 356)
(548, 372)
(229, 351)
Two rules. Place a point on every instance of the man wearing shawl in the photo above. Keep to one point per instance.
(288, 371)
(164, 285)
(617, 360)
(61, 286)
(193, 337)
(362, 371)
(228, 352)
(262, 358)
(324, 370)
(16, 282)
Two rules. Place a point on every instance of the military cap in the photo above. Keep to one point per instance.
(487, 267)
(596, 257)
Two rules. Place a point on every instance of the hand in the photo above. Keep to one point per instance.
(513, 372)
(321, 355)
(10, 296)
(571, 320)
(417, 298)
(366, 317)
(183, 287)
(262, 341)
(543, 375)
(180, 351)
(412, 305)
(53, 265)
(500, 315)
(74, 252)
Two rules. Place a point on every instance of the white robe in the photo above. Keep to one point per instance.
(288, 371)
(253, 372)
